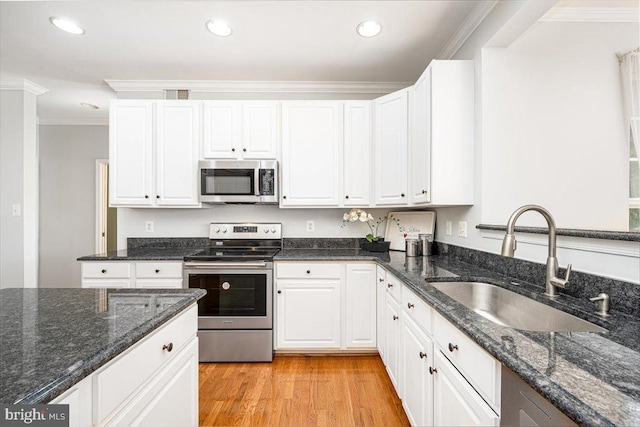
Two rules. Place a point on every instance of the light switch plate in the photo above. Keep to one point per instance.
(148, 226)
(311, 226)
(15, 210)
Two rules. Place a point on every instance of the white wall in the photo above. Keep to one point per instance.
(195, 222)
(18, 186)
(68, 199)
(495, 172)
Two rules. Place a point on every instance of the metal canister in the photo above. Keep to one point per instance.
(426, 243)
(412, 247)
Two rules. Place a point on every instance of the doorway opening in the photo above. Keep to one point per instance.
(106, 217)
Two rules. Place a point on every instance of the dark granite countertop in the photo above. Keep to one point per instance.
(594, 378)
(144, 254)
(50, 339)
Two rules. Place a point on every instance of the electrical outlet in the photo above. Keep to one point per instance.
(15, 210)
(148, 226)
(311, 226)
(448, 231)
(462, 229)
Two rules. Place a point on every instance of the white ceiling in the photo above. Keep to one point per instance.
(167, 40)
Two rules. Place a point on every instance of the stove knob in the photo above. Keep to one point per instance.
(273, 229)
(266, 230)
(217, 229)
(224, 229)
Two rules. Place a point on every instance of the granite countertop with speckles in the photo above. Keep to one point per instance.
(50, 339)
(594, 378)
(144, 254)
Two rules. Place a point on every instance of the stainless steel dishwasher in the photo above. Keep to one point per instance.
(522, 406)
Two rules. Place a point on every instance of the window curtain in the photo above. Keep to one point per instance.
(630, 72)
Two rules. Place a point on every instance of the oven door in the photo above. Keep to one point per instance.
(239, 295)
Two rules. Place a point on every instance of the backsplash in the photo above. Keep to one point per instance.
(625, 296)
(318, 243)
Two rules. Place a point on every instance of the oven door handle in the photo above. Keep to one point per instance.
(256, 181)
(226, 264)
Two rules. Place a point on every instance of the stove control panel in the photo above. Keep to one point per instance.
(245, 231)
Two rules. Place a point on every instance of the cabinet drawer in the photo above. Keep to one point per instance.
(478, 366)
(417, 309)
(303, 270)
(159, 270)
(106, 270)
(113, 384)
(394, 287)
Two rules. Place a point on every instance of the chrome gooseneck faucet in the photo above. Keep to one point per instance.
(509, 247)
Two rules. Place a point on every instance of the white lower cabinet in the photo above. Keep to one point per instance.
(360, 306)
(308, 313)
(325, 306)
(393, 342)
(417, 357)
(122, 274)
(442, 377)
(147, 385)
(455, 402)
(381, 290)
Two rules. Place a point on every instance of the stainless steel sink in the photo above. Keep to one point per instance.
(509, 309)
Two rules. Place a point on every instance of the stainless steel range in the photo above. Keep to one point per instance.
(235, 318)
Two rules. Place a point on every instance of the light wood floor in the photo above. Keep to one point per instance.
(300, 391)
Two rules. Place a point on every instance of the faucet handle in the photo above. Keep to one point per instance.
(562, 283)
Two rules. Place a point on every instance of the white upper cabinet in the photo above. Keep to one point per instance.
(153, 153)
(442, 135)
(222, 129)
(177, 153)
(391, 122)
(259, 130)
(240, 129)
(130, 153)
(357, 153)
(311, 153)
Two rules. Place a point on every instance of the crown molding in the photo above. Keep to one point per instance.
(73, 122)
(231, 86)
(466, 28)
(593, 11)
(24, 85)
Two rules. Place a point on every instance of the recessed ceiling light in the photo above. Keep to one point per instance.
(66, 25)
(219, 28)
(89, 106)
(369, 28)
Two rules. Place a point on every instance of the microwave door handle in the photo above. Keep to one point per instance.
(256, 181)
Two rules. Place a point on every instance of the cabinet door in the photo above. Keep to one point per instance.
(308, 313)
(455, 402)
(420, 140)
(391, 148)
(222, 129)
(452, 132)
(130, 153)
(170, 398)
(417, 383)
(360, 306)
(259, 130)
(311, 145)
(392, 342)
(177, 153)
(357, 159)
(381, 291)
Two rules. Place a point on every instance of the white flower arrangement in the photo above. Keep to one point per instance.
(360, 215)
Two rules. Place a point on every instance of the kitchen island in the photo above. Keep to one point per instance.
(105, 345)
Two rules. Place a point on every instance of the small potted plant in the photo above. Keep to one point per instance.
(373, 242)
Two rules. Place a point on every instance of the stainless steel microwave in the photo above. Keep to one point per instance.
(238, 181)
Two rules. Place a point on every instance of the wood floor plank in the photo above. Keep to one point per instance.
(318, 391)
